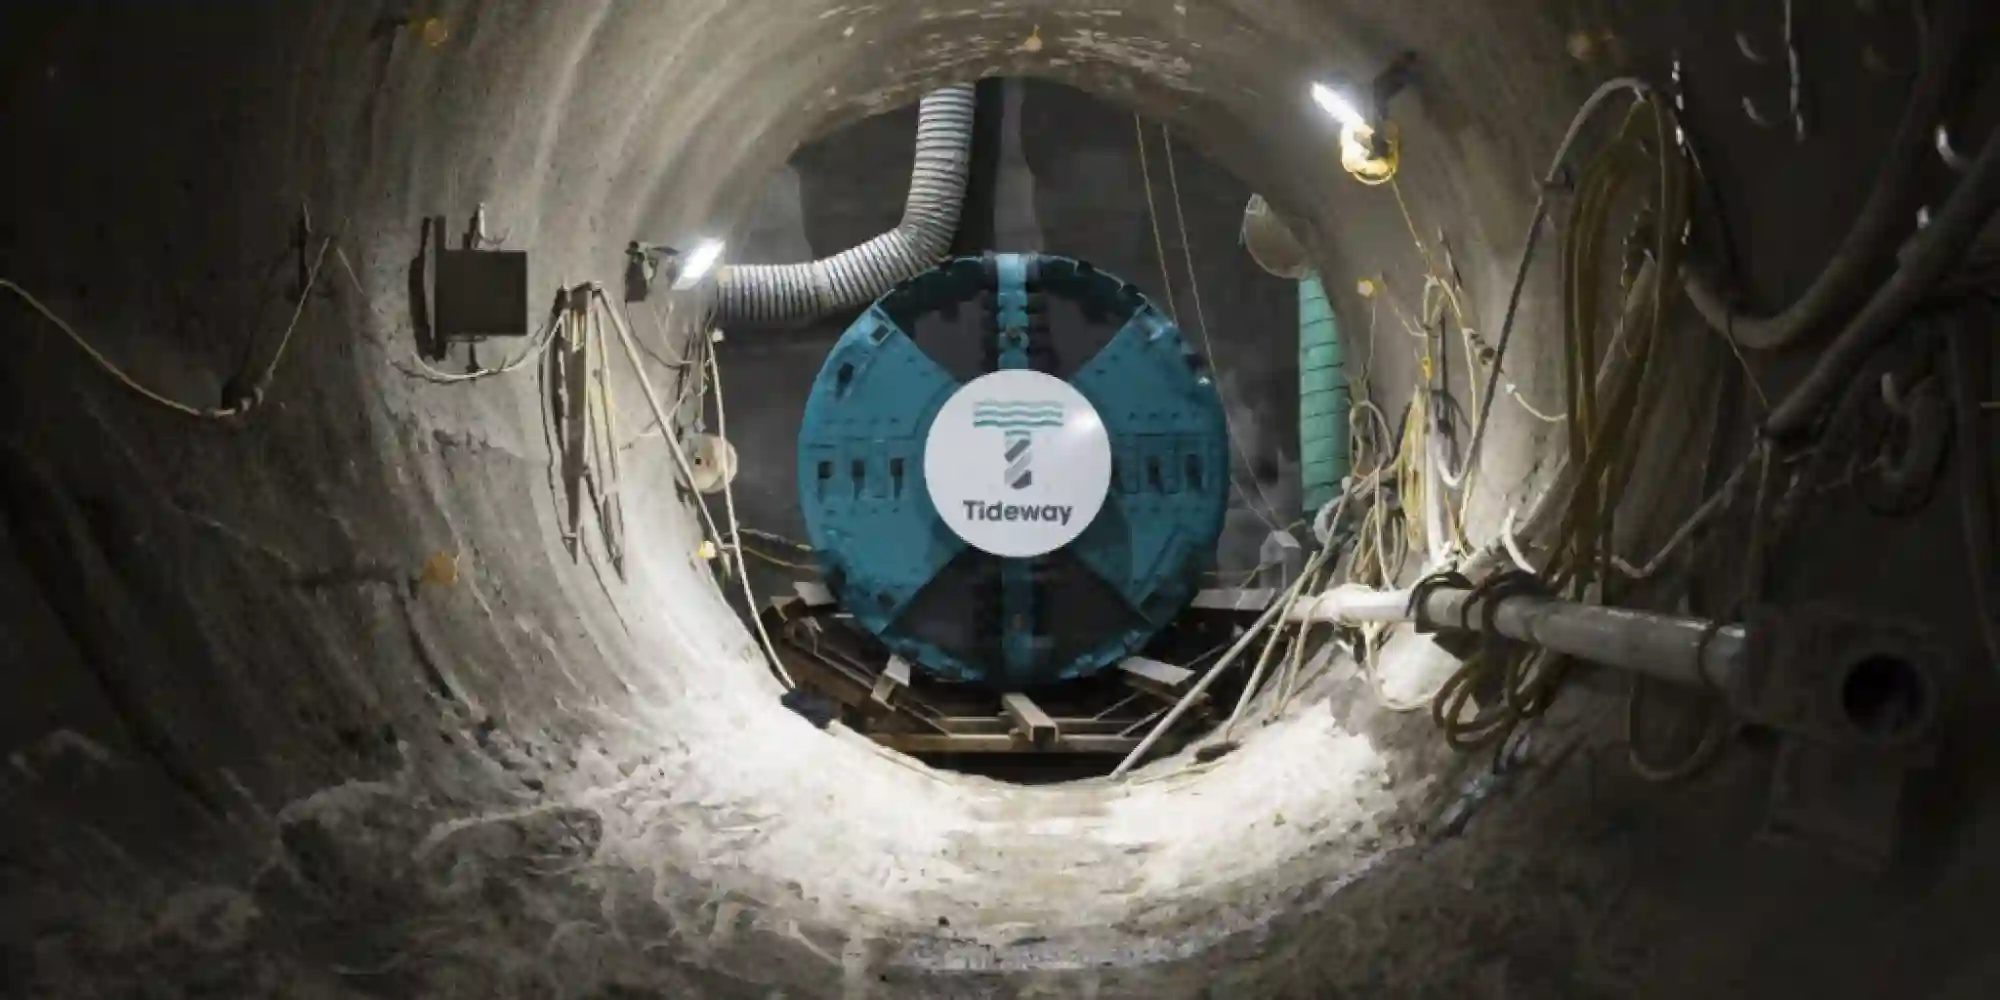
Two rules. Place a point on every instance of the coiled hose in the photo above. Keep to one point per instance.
(1605, 421)
(791, 293)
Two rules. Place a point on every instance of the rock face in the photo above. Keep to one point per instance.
(317, 701)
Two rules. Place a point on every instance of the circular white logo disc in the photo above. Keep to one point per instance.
(1018, 463)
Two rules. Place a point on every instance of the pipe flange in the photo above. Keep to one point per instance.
(1833, 674)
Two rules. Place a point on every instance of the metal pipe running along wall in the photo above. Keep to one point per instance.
(1686, 651)
(793, 293)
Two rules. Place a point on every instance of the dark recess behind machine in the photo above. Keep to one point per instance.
(1079, 154)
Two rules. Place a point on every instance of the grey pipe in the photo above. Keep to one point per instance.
(792, 293)
(1891, 203)
(1685, 651)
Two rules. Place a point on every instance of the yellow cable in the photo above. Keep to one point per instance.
(1430, 266)
(1603, 431)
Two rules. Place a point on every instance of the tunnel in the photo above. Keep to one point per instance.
(314, 688)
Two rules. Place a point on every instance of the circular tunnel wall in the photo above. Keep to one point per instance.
(318, 702)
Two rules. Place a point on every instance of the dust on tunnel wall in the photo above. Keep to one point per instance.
(244, 757)
(1084, 196)
(256, 750)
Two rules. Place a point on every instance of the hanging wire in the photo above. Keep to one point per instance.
(1262, 507)
(235, 409)
(1153, 216)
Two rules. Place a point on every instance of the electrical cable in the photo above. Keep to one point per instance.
(777, 539)
(1293, 675)
(691, 379)
(1263, 658)
(1794, 94)
(1601, 431)
(673, 443)
(601, 421)
(782, 563)
(1512, 544)
(1377, 525)
(1937, 249)
(660, 329)
(1716, 503)
(735, 534)
(1721, 725)
(236, 409)
(1153, 216)
(1546, 503)
(1201, 685)
(1242, 576)
(352, 278)
(1266, 513)
(690, 370)
(548, 335)
(1528, 678)
(1600, 434)
(1591, 105)
(1720, 728)
(1890, 204)
(1438, 295)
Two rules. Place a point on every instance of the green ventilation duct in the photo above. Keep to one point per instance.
(1324, 396)
(1324, 399)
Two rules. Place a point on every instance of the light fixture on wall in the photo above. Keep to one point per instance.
(1368, 139)
(647, 261)
(1334, 103)
(701, 260)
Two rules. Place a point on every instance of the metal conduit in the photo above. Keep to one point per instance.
(1686, 651)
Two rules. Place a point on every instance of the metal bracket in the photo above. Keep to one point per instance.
(1161, 680)
(1030, 721)
(1834, 675)
(815, 595)
(1857, 698)
(895, 677)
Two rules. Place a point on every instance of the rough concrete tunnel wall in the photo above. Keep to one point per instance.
(318, 704)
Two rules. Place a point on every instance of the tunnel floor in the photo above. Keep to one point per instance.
(309, 692)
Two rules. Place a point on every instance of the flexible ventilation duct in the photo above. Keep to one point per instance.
(1325, 400)
(788, 293)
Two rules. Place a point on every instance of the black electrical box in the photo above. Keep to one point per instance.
(481, 293)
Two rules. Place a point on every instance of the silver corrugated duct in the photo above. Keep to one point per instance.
(786, 293)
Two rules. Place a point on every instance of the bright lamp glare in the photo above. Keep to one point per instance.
(1342, 110)
(699, 262)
